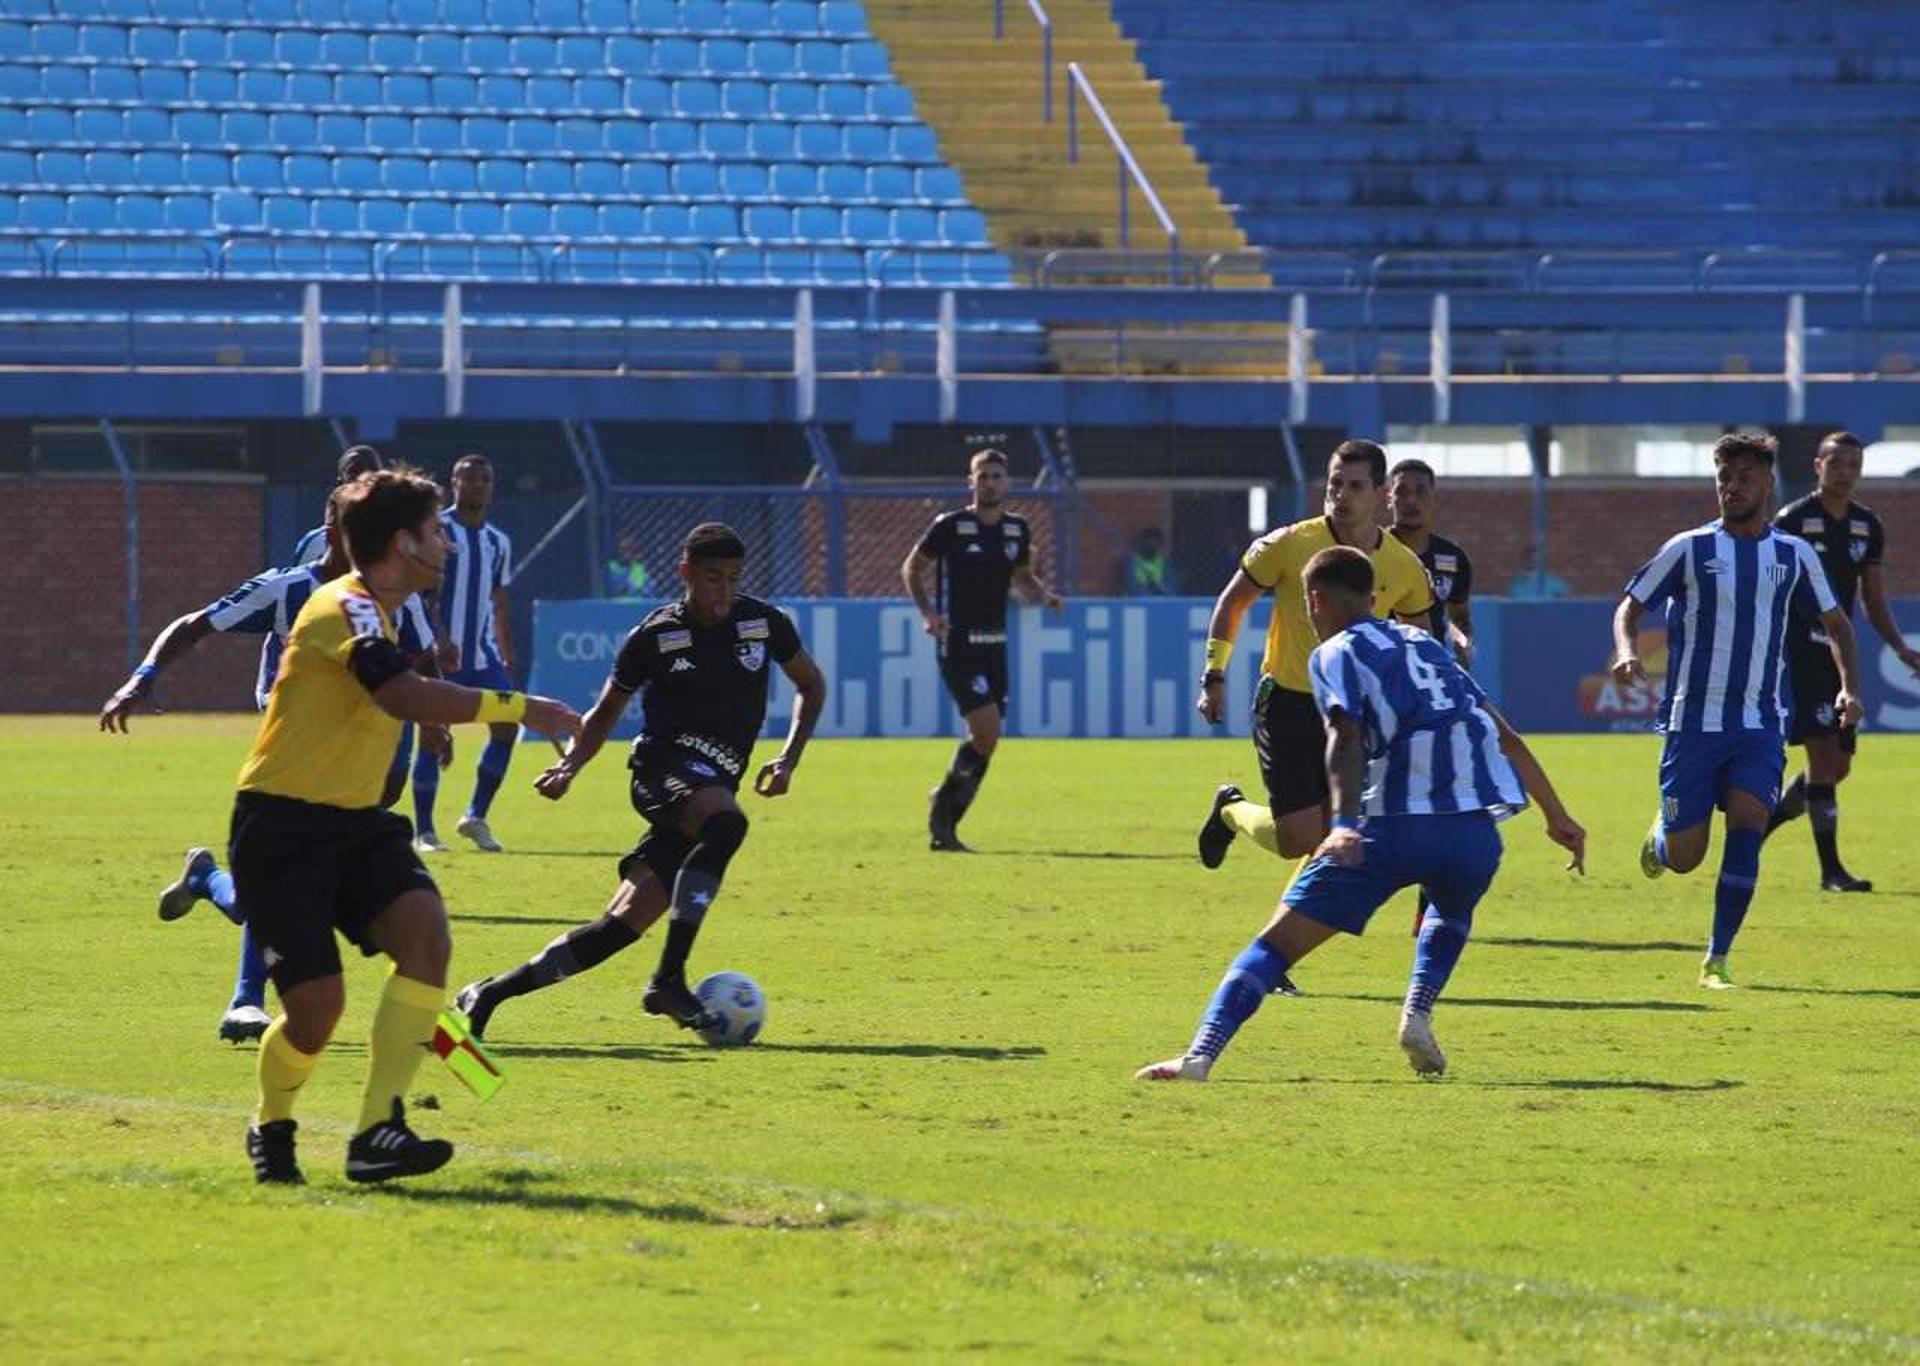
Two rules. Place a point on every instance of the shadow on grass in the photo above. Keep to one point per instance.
(1515, 1003)
(514, 920)
(521, 1187)
(1882, 993)
(609, 1051)
(910, 1050)
(1589, 945)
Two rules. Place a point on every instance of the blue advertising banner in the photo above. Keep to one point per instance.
(1128, 667)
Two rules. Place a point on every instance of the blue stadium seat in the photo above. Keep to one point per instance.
(432, 217)
(843, 19)
(703, 16)
(630, 54)
(305, 172)
(107, 42)
(492, 92)
(915, 142)
(158, 168)
(724, 57)
(607, 14)
(771, 141)
(67, 83)
(868, 61)
(939, 183)
(741, 180)
(820, 142)
(670, 221)
(153, 43)
(90, 213)
(440, 52)
(771, 58)
(108, 168)
(240, 127)
(16, 40)
(339, 130)
(208, 85)
(893, 183)
(796, 99)
(454, 175)
(199, 127)
(336, 215)
(18, 169)
(676, 56)
(236, 209)
(623, 220)
(869, 142)
(576, 220)
(715, 222)
(868, 225)
(390, 130)
(744, 99)
(431, 133)
(187, 212)
(362, 12)
(296, 48)
(794, 182)
(263, 87)
(392, 50)
(596, 179)
(293, 129)
(649, 95)
(662, 16)
(675, 137)
(581, 53)
(890, 101)
(580, 135)
(203, 46)
(404, 91)
(965, 227)
(207, 170)
(140, 213)
(405, 175)
(695, 98)
(550, 177)
(450, 91)
(917, 226)
(843, 184)
(796, 16)
(769, 222)
(49, 168)
(479, 218)
(821, 59)
(598, 93)
(343, 49)
(549, 92)
(481, 134)
(356, 89)
(696, 180)
(533, 52)
(629, 137)
(385, 216)
(724, 138)
(95, 126)
(647, 179)
(284, 213)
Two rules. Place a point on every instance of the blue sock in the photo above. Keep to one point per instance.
(250, 986)
(1739, 874)
(1250, 979)
(493, 770)
(1442, 938)
(219, 890)
(426, 786)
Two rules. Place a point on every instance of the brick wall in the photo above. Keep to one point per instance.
(65, 576)
(1599, 532)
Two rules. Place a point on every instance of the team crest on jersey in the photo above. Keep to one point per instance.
(1776, 573)
(1013, 550)
(752, 655)
(1858, 550)
(669, 641)
(1442, 585)
(753, 630)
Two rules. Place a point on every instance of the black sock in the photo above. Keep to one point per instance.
(1791, 803)
(586, 946)
(1823, 813)
(673, 954)
(968, 772)
(697, 885)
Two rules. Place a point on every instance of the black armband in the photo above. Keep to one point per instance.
(376, 662)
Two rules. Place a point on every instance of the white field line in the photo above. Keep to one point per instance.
(1558, 1291)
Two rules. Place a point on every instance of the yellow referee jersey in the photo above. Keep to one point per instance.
(1276, 561)
(323, 739)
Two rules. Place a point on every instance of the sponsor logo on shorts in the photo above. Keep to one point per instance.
(712, 749)
(702, 768)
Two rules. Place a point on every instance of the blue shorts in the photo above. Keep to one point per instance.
(1698, 769)
(490, 676)
(1453, 857)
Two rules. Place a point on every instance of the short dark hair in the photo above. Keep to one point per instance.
(1746, 446)
(371, 509)
(991, 455)
(1342, 567)
(1834, 441)
(713, 541)
(1368, 451)
(471, 458)
(356, 461)
(1412, 466)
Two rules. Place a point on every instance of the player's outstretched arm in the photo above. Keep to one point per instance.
(1223, 627)
(597, 725)
(1873, 597)
(809, 699)
(432, 701)
(1562, 828)
(1626, 667)
(179, 637)
(1846, 658)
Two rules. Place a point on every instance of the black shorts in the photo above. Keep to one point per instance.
(664, 776)
(976, 676)
(1816, 682)
(1291, 741)
(302, 871)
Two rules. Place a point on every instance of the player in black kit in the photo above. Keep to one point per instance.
(1410, 488)
(980, 552)
(701, 668)
(1851, 543)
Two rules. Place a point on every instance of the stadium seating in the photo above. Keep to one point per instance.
(1620, 124)
(758, 136)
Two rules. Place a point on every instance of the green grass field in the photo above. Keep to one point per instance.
(938, 1150)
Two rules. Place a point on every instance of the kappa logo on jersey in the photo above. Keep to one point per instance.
(973, 547)
(751, 654)
(363, 615)
(675, 640)
(753, 630)
(682, 665)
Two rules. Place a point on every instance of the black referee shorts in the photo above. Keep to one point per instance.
(1291, 741)
(1816, 682)
(302, 871)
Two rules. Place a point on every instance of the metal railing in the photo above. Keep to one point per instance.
(1128, 167)
(1045, 22)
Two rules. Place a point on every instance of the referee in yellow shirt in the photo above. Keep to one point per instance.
(312, 850)
(1287, 734)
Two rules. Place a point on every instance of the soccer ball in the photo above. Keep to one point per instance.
(735, 1001)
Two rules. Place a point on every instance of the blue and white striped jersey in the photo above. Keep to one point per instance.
(267, 605)
(312, 546)
(481, 561)
(1728, 599)
(1432, 749)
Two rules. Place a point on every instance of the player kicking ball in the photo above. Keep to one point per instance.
(700, 666)
(1420, 766)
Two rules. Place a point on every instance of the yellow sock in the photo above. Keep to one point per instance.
(1254, 821)
(402, 1034)
(284, 1069)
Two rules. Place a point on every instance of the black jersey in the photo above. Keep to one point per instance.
(976, 563)
(1450, 570)
(1846, 545)
(705, 687)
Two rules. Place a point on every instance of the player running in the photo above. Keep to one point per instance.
(1288, 737)
(1730, 588)
(472, 605)
(1851, 544)
(980, 553)
(700, 667)
(314, 853)
(1410, 496)
(1420, 766)
(266, 604)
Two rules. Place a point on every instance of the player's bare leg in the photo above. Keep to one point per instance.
(1678, 851)
(1290, 936)
(950, 800)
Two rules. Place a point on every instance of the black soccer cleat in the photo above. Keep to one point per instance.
(1843, 881)
(1285, 987)
(946, 840)
(270, 1148)
(673, 1000)
(1216, 834)
(471, 1001)
(391, 1149)
(1791, 807)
